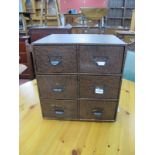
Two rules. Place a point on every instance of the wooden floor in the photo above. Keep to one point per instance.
(50, 137)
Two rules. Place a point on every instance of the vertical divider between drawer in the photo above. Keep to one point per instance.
(78, 80)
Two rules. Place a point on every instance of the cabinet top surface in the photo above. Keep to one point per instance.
(86, 39)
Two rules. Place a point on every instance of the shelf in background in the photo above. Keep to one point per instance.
(120, 12)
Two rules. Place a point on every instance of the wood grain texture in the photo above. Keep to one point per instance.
(76, 59)
(59, 109)
(109, 84)
(98, 110)
(111, 55)
(55, 137)
(65, 54)
(57, 87)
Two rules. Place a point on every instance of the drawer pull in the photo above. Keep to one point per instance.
(59, 112)
(58, 90)
(97, 113)
(100, 62)
(99, 90)
(55, 62)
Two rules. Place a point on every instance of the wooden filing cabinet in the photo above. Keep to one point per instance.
(79, 76)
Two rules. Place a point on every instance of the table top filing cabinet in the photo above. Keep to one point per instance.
(79, 76)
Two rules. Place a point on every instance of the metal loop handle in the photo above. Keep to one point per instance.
(100, 61)
(58, 90)
(97, 113)
(55, 60)
(59, 112)
(99, 90)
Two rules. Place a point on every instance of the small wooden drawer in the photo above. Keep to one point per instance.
(57, 86)
(59, 109)
(98, 110)
(99, 87)
(101, 59)
(55, 59)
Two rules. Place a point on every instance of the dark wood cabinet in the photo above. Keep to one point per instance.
(39, 32)
(79, 76)
(25, 58)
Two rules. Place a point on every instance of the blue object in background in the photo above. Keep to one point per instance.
(72, 11)
(129, 68)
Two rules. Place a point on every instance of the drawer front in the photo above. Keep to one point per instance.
(57, 86)
(59, 109)
(98, 110)
(100, 87)
(55, 59)
(101, 59)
